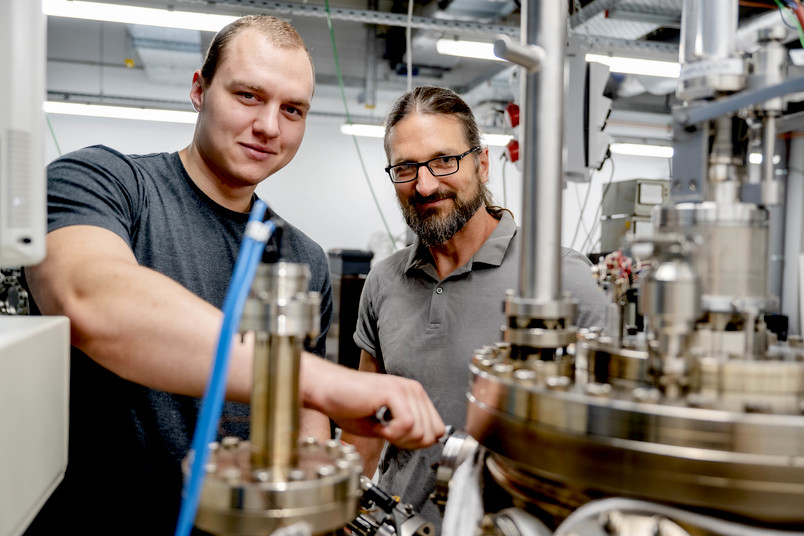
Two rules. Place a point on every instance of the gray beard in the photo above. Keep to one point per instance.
(434, 229)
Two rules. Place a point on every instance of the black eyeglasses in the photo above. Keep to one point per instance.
(439, 166)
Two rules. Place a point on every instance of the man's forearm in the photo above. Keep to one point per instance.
(370, 450)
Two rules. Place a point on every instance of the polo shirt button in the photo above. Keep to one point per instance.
(439, 290)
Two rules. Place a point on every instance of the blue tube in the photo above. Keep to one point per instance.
(212, 403)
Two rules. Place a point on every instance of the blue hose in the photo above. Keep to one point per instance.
(212, 404)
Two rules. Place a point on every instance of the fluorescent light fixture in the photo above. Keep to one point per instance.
(135, 15)
(119, 112)
(378, 131)
(369, 131)
(496, 140)
(467, 49)
(635, 149)
(665, 69)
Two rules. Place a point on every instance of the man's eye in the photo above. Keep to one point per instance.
(444, 162)
(246, 95)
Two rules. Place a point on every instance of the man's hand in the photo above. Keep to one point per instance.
(352, 399)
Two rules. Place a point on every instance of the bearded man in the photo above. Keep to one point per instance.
(425, 309)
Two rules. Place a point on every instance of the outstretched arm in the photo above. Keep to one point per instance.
(146, 328)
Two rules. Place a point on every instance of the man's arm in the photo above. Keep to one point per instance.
(134, 321)
(352, 399)
(146, 328)
(369, 448)
(315, 424)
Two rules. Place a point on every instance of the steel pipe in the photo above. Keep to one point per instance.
(542, 136)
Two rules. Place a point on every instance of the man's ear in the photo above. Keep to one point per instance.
(197, 91)
(484, 164)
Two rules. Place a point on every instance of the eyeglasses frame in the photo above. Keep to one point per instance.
(426, 164)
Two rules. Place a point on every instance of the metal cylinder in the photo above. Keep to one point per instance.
(707, 47)
(240, 500)
(275, 404)
(542, 138)
(690, 23)
(282, 315)
(708, 30)
(670, 296)
(770, 66)
(274, 480)
(734, 264)
(768, 147)
(370, 87)
(561, 447)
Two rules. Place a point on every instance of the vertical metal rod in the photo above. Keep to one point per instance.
(719, 21)
(708, 30)
(689, 49)
(370, 89)
(275, 417)
(543, 23)
(768, 147)
(275, 405)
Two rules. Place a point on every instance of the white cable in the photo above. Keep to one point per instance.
(581, 210)
(596, 221)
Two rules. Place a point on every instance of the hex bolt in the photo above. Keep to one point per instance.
(646, 396)
(230, 442)
(611, 522)
(558, 383)
(325, 471)
(296, 475)
(601, 390)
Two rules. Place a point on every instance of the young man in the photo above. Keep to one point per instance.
(140, 252)
(426, 309)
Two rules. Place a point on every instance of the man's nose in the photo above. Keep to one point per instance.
(267, 121)
(426, 183)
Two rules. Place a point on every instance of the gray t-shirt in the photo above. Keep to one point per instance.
(427, 329)
(127, 441)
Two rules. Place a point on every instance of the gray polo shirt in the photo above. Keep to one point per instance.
(427, 329)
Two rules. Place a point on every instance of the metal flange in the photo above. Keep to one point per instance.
(323, 490)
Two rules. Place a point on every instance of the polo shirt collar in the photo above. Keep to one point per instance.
(491, 253)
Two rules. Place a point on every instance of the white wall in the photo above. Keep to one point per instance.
(324, 190)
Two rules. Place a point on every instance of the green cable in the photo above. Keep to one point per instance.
(795, 22)
(349, 120)
(52, 133)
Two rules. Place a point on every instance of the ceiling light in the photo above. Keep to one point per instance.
(665, 69)
(467, 49)
(369, 131)
(378, 131)
(635, 149)
(135, 15)
(119, 112)
(496, 140)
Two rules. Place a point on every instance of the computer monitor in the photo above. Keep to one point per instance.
(23, 201)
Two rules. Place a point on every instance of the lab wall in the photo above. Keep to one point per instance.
(336, 189)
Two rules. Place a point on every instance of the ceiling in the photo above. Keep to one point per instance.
(137, 65)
